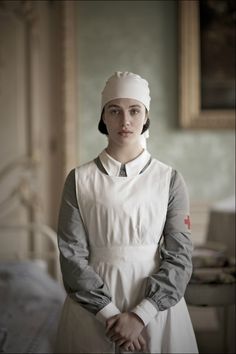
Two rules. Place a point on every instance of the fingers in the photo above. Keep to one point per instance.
(134, 346)
(114, 332)
(121, 342)
(142, 343)
(131, 347)
(116, 337)
(110, 322)
(128, 346)
(137, 345)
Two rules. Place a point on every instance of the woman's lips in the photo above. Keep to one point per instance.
(125, 133)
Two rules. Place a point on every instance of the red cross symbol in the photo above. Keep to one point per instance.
(187, 222)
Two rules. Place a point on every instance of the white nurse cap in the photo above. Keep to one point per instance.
(126, 85)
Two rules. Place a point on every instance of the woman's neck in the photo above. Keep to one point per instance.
(124, 154)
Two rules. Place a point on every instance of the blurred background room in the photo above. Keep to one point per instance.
(54, 59)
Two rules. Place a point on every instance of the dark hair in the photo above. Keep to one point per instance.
(103, 129)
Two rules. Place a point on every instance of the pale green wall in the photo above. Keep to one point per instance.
(141, 36)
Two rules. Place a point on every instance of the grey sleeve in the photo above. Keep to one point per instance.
(81, 282)
(166, 287)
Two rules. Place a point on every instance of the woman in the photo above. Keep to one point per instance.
(125, 288)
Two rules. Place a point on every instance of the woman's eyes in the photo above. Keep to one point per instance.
(116, 112)
(134, 111)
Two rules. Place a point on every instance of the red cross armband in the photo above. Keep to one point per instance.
(187, 222)
(178, 221)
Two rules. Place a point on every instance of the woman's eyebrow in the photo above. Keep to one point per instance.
(113, 105)
(117, 106)
(135, 105)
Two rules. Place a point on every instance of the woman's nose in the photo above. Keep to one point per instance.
(126, 119)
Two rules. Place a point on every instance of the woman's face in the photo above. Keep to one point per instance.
(124, 119)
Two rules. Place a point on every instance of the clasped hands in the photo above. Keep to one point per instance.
(125, 330)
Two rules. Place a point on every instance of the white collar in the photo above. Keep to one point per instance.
(133, 168)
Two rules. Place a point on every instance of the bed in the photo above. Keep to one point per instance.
(31, 290)
(30, 305)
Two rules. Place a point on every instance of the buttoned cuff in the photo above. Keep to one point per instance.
(107, 312)
(146, 311)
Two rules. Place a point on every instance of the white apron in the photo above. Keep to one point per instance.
(124, 219)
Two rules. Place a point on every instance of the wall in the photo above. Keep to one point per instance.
(141, 36)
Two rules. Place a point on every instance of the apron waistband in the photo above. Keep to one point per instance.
(139, 254)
